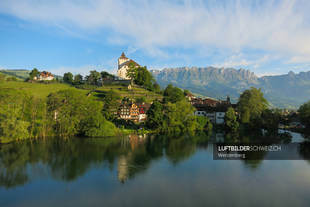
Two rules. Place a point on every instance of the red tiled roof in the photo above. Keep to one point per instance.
(46, 74)
(131, 62)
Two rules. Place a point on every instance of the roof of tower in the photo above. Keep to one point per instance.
(123, 55)
(132, 62)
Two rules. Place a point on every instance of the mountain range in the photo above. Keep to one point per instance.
(283, 91)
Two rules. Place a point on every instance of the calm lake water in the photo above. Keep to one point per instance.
(145, 171)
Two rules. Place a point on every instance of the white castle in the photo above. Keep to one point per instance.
(123, 66)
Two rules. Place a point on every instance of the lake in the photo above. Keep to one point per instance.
(145, 171)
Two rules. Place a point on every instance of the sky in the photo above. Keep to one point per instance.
(267, 37)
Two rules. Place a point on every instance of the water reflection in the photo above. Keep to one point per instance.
(67, 160)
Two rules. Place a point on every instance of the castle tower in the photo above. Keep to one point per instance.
(123, 66)
(122, 59)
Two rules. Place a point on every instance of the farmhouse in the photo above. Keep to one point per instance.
(45, 76)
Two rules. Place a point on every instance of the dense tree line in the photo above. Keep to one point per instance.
(304, 115)
(175, 115)
(64, 113)
(94, 78)
(255, 112)
(142, 77)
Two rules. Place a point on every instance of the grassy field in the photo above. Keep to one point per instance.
(123, 91)
(41, 90)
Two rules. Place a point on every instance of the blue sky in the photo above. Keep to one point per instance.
(267, 37)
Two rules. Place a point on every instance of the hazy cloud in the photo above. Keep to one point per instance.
(277, 26)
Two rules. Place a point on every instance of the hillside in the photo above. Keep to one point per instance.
(41, 90)
(7, 76)
(123, 91)
(18, 73)
(21, 74)
(285, 91)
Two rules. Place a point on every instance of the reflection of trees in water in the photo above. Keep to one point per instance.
(138, 157)
(306, 135)
(69, 159)
(180, 149)
(64, 159)
(304, 150)
(255, 158)
(13, 163)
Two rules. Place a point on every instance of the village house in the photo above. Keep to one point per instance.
(134, 112)
(124, 112)
(215, 110)
(143, 108)
(44, 76)
(123, 66)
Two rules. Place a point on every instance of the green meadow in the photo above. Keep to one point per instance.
(38, 90)
(42, 90)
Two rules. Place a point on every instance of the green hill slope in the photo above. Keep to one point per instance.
(123, 91)
(18, 73)
(41, 90)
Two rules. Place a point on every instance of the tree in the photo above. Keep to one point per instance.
(106, 75)
(110, 104)
(78, 79)
(251, 104)
(93, 78)
(132, 71)
(173, 94)
(204, 124)
(13, 123)
(231, 123)
(34, 73)
(156, 88)
(68, 78)
(140, 100)
(270, 120)
(304, 114)
(72, 113)
(179, 118)
(142, 77)
(94, 124)
(187, 92)
(155, 115)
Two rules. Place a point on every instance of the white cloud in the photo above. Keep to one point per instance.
(277, 26)
(299, 59)
(240, 60)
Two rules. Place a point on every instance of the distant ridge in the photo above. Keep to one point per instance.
(19, 73)
(284, 91)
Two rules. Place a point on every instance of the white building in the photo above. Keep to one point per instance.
(211, 116)
(123, 66)
(214, 117)
(44, 76)
(200, 113)
(220, 117)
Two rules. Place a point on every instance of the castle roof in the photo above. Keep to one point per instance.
(131, 62)
(123, 56)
